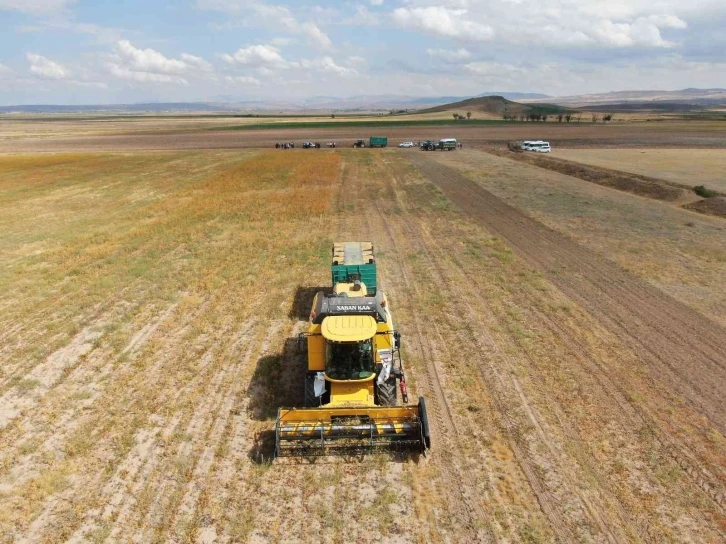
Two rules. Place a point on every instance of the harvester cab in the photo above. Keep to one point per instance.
(354, 372)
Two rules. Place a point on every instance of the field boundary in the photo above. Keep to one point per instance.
(638, 184)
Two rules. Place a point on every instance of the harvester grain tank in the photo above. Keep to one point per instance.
(354, 371)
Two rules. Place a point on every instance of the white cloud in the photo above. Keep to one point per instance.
(149, 60)
(447, 54)
(274, 17)
(376, 2)
(264, 56)
(282, 42)
(363, 16)
(247, 80)
(550, 23)
(124, 72)
(314, 35)
(151, 66)
(35, 7)
(442, 21)
(197, 62)
(43, 67)
(328, 65)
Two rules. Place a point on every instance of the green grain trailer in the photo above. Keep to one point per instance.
(354, 261)
(447, 144)
(378, 141)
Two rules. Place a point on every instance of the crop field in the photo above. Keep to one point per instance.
(569, 340)
(64, 134)
(688, 167)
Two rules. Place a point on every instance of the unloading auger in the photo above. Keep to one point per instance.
(354, 367)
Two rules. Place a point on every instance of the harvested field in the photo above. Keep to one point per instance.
(677, 251)
(150, 305)
(632, 183)
(153, 134)
(686, 167)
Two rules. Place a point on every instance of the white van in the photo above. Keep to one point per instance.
(537, 146)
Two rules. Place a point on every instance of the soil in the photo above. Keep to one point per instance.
(569, 400)
(711, 206)
(137, 137)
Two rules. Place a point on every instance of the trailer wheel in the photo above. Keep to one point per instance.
(387, 392)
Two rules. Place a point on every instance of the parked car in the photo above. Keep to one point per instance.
(406, 144)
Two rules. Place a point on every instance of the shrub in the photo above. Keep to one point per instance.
(700, 190)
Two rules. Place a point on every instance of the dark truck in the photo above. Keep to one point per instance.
(428, 145)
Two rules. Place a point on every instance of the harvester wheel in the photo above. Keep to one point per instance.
(387, 393)
(310, 399)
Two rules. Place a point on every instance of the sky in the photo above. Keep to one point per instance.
(110, 51)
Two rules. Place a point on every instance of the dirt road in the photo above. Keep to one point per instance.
(681, 353)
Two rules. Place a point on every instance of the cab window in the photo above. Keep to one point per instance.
(349, 360)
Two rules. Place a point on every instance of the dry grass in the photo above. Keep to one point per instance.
(688, 167)
(681, 252)
(144, 345)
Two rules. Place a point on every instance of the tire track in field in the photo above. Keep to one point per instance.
(547, 501)
(492, 375)
(445, 431)
(649, 322)
(372, 224)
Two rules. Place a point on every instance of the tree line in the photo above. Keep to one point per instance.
(536, 116)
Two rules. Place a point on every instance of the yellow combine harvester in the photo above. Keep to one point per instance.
(354, 364)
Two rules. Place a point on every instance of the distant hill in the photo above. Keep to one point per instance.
(231, 104)
(154, 107)
(703, 97)
(492, 105)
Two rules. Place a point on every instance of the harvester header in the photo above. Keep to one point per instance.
(354, 371)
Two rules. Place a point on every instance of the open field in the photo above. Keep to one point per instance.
(680, 252)
(686, 167)
(169, 134)
(573, 358)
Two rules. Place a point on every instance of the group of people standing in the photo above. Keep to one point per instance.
(306, 145)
